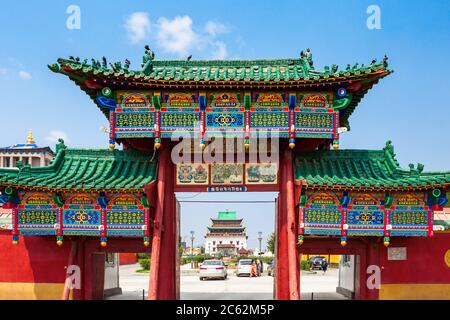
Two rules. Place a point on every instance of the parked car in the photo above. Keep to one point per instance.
(316, 262)
(211, 269)
(244, 267)
(271, 269)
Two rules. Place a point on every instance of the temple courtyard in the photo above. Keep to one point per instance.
(314, 285)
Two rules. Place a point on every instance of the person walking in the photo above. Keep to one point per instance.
(253, 269)
(324, 266)
(258, 268)
(261, 267)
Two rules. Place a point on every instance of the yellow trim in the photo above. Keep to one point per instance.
(333, 258)
(409, 291)
(31, 291)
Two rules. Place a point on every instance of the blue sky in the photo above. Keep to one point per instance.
(410, 107)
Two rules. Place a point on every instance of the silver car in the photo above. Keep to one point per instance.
(244, 267)
(210, 269)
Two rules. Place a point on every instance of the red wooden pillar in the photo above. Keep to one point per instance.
(287, 258)
(163, 278)
(372, 258)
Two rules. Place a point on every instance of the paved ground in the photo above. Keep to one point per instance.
(234, 288)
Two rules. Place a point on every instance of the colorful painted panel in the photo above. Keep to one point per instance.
(37, 221)
(125, 216)
(322, 215)
(409, 215)
(364, 215)
(269, 100)
(315, 100)
(314, 120)
(81, 215)
(180, 100)
(192, 174)
(6, 219)
(224, 120)
(269, 120)
(225, 100)
(175, 120)
(134, 101)
(227, 174)
(257, 173)
(121, 222)
(37, 215)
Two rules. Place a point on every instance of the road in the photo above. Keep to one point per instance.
(234, 288)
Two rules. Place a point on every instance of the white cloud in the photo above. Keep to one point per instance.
(53, 136)
(177, 36)
(214, 28)
(221, 50)
(138, 26)
(3, 71)
(24, 75)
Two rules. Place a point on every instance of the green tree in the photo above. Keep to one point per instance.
(271, 243)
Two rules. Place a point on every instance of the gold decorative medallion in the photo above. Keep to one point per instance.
(447, 258)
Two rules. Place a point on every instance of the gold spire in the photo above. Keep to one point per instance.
(30, 139)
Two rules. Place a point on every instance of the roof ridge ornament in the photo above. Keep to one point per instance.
(415, 171)
(30, 138)
(147, 60)
(60, 146)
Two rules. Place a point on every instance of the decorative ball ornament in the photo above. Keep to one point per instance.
(336, 144)
(15, 242)
(106, 91)
(343, 243)
(202, 145)
(103, 244)
(146, 243)
(112, 146)
(436, 193)
(9, 191)
(246, 144)
(342, 92)
(300, 240)
(386, 241)
(59, 243)
(292, 143)
(157, 144)
(447, 258)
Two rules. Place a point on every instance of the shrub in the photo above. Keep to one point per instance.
(145, 264)
(305, 265)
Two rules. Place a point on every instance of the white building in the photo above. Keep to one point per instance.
(226, 236)
(29, 153)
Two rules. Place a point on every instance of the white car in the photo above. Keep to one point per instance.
(213, 269)
(244, 267)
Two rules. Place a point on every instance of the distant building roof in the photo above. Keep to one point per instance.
(226, 215)
(29, 145)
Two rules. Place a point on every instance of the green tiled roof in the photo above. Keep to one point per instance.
(85, 169)
(277, 70)
(226, 215)
(377, 169)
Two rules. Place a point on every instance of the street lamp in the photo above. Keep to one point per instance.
(260, 239)
(192, 249)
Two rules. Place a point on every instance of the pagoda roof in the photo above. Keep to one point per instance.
(226, 228)
(225, 74)
(82, 169)
(358, 169)
(283, 71)
(227, 221)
